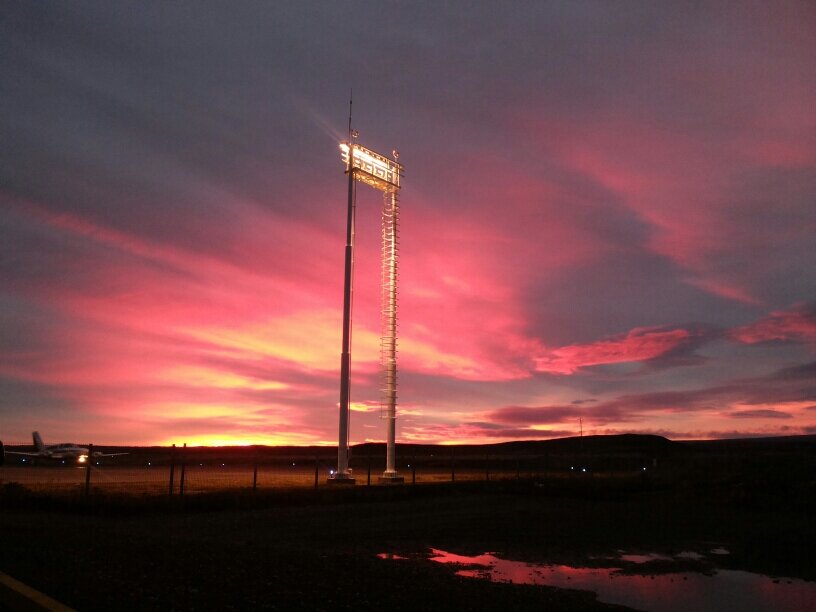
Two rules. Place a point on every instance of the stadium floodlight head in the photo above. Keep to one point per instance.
(385, 175)
(371, 168)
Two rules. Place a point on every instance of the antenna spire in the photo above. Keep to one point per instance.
(351, 101)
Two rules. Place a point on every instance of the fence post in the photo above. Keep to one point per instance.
(88, 471)
(413, 470)
(487, 466)
(255, 476)
(317, 470)
(518, 469)
(172, 468)
(453, 464)
(183, 469)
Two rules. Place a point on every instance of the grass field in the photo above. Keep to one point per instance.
(204, 478)
(320, 551)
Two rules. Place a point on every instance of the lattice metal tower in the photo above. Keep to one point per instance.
(384, 174)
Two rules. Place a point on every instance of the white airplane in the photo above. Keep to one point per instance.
(64, 452)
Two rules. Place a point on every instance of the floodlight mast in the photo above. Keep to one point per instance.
(384, 174)
(343, 473)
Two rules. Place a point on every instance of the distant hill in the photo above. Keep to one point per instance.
(616, 444)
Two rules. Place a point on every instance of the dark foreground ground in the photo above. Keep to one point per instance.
(318, 551)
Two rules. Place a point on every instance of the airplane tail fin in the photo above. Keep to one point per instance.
(38, 443)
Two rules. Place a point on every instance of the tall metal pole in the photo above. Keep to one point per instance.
(345, 357)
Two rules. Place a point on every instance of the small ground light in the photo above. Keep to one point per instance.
(583, 469)
(643, 468)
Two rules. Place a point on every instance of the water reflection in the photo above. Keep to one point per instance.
(724, 590)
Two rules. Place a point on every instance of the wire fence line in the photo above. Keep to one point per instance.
(178, 471)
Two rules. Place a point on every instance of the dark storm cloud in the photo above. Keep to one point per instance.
(760, 414)
(805, 371)
(520, 433)
(794, 384)
(545, 415)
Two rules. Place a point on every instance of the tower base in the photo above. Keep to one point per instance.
(341, 479)
(391, 479)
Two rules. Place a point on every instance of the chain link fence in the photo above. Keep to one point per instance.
(188, 471)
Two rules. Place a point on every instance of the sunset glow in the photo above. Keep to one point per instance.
(614, 225)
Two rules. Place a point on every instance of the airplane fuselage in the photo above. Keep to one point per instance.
(64, 452)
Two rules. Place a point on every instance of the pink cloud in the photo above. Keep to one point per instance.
(797, 325)
(640, 344)
(723, 288)
(689, 186)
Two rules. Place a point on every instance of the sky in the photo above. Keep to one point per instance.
(608, 219)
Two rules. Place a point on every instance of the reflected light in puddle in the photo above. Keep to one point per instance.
(681, 591)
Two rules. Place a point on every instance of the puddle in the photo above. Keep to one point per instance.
(679, 591)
